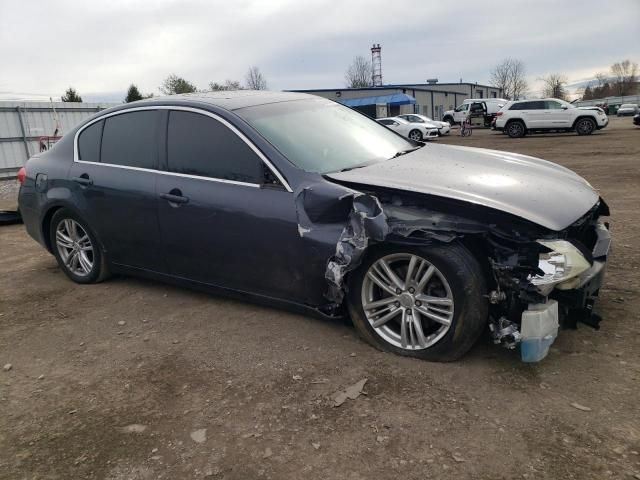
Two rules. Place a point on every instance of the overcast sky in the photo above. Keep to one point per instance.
(102, 46)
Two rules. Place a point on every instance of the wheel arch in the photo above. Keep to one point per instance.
(581, 117)
(517, 119)
(45, 224)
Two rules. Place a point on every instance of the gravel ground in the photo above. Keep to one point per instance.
(8, 194)
(133, 379)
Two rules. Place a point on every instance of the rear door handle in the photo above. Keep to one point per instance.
(174, 198)
(83, 180)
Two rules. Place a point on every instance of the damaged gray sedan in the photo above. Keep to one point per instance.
(298, 201)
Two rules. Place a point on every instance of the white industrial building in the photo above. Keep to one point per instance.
(431, 99)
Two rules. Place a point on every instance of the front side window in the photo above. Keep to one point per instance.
(200, 145)
(89, 142)
(415, 119)
(551, 105)
(130, 139)
(321, 136)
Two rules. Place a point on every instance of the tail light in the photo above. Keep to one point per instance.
(22, 175)
(499, 114)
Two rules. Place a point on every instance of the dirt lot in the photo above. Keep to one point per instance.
(133, 379)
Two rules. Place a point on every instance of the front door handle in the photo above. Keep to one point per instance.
(174, 196)
(83, 180)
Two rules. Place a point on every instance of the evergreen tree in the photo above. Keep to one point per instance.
(133, 94)
(71, 96)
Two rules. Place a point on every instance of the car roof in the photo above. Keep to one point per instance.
(228, 99)
(397, 119)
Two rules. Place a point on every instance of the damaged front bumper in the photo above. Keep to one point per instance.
(569, 302)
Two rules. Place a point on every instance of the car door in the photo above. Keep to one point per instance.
(221, 224)
(556, 116)
(114, 174)
(460, 113)
(533, 113)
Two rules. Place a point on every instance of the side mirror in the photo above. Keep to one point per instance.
(564, 107)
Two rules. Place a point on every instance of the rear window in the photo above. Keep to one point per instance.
(89, 142)
(130, 139)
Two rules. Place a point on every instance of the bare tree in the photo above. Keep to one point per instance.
(509, 76)
(625, 74)
(227, 85)
(555, 86)
(255, 80)
(601, 79)
(359, 74)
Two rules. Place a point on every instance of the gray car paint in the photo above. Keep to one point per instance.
(536, 190)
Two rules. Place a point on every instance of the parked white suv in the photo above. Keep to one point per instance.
(517, 118)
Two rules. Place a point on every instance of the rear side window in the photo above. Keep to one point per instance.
(537, 105)
(130, 139)
(202, 146)
(89, 142)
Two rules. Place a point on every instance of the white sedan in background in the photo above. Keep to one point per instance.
(443, 127)
(413, 131)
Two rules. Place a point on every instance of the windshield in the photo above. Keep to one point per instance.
(318, 135)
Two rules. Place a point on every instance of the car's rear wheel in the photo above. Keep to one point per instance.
(421, 302)
(76, 248)
(516, 129)
(415, 135)
(585, 126)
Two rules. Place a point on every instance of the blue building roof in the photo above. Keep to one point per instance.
(395, 99)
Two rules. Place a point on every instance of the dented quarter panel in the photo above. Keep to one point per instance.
(534, 189)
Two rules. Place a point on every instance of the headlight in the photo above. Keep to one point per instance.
(564, 262)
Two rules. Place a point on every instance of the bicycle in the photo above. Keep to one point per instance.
(465, 127)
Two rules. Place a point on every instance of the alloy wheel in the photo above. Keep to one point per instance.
(515, 129)
(415, 135)
(585, 127)
(407, 301)
(75, 247)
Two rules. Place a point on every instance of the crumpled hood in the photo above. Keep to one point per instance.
(539, 191)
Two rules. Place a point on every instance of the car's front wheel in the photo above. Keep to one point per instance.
(585, 126)
(421, 302)
(415, 135)
(76, 248)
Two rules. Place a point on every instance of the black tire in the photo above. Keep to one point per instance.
(450, 120)
(585, 126)
(99, 270)
(516, 129)
(417, 134)
(468, 286)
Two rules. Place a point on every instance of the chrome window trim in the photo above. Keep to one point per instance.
(242, 136)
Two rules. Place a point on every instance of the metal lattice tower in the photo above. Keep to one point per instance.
(376, 64)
